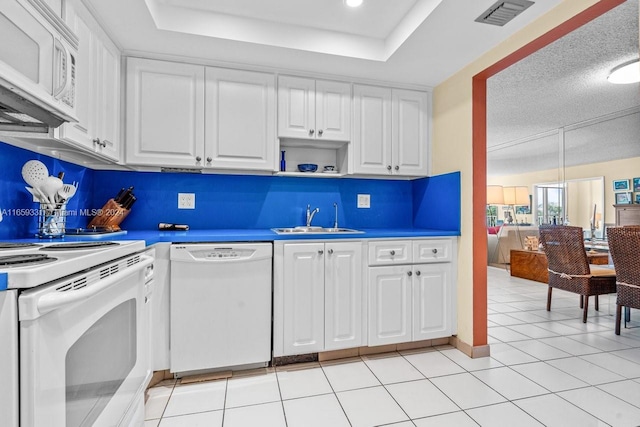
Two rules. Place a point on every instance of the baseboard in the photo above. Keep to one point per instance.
(468, 349)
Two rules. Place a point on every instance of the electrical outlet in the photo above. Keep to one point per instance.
(364, 200)
(186, 201)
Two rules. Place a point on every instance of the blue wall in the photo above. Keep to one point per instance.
(19, 220)
(233, 201)
(436, 202)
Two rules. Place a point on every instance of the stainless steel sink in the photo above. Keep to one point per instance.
(314, 230)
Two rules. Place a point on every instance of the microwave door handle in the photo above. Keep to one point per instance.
(54, 300)
(65, 57)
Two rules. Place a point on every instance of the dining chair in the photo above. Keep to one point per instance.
(624, 246)
(569, 268)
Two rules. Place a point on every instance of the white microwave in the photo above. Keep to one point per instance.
(37, 64)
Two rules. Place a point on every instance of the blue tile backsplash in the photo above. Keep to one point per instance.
(232, 201)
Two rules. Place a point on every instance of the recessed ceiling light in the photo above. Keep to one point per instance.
(629, 72)
(353, 3)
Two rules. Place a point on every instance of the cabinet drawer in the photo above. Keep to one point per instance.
(432, 251)
(390, 252)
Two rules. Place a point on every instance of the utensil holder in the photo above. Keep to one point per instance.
(51, 222)
(110, 216)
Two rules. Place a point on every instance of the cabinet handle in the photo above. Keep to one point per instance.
(330, 251)
(418, 273)
(311, 131)
(320, 252)
(104, 144)
(320, 132)
(409, 273)
(397, 167)
(209, 159)
(388, 167)
(198, 158)
(434, 250)
(392, 253)
(96, 141)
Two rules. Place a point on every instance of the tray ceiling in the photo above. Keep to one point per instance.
(413, 42)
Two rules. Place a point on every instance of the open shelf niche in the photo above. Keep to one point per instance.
(322, 153)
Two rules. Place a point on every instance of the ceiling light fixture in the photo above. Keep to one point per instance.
(353, 3)
(629, 72)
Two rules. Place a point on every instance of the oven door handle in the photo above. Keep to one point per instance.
(52, 301)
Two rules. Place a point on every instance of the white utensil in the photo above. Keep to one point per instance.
(50, 188)
(67, 191)
(37, 194)
(34, 172)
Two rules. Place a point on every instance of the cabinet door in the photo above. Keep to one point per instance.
(303, 292)
(81, 133)
(240, 120)
(410, 133)
(431, 301)
(107, 111)
(372, 130)
(165, 113)
(333, 110)
(343, 295)
(97, 88)
(389, 305)
(296, 107)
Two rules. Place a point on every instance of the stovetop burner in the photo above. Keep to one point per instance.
(24, 260)
(10, 245)
(77, 245)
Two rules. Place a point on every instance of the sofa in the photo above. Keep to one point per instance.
(508, 237)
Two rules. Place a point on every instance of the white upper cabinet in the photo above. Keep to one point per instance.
(314, 109)
(372, 130)
(164, 113)
(409, 128)
(182, 115)
(390, 131)
(97, 88)
(240, 120)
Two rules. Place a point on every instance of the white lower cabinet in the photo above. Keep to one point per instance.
(407, 301)
(389, 305)
(317, 297)
(431, 301)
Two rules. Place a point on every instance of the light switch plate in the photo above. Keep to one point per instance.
(186, 201)
(364, 200)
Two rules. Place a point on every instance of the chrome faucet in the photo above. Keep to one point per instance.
(311, 214)
(335, 222)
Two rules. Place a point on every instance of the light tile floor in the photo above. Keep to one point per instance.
(546, 368)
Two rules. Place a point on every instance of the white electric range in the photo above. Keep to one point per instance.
(73, 333)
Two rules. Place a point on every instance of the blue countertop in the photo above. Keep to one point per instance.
(247, 235)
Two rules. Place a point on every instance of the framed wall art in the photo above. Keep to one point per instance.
(637, 198)
(636, 185)
(621, 185)
(623, 198)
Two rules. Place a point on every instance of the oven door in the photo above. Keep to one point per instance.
(83, 347)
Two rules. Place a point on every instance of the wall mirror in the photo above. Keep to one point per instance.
(574, 201)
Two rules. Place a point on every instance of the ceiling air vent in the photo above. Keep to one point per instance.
(502, 12)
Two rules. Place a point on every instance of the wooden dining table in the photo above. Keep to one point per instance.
(533, 265)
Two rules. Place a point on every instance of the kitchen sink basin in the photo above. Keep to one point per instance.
(314, 230)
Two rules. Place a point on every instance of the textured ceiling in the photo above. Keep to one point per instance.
(564, 85)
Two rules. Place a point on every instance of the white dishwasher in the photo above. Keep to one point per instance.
(220, 313)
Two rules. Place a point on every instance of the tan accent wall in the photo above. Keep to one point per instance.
(452, 140)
